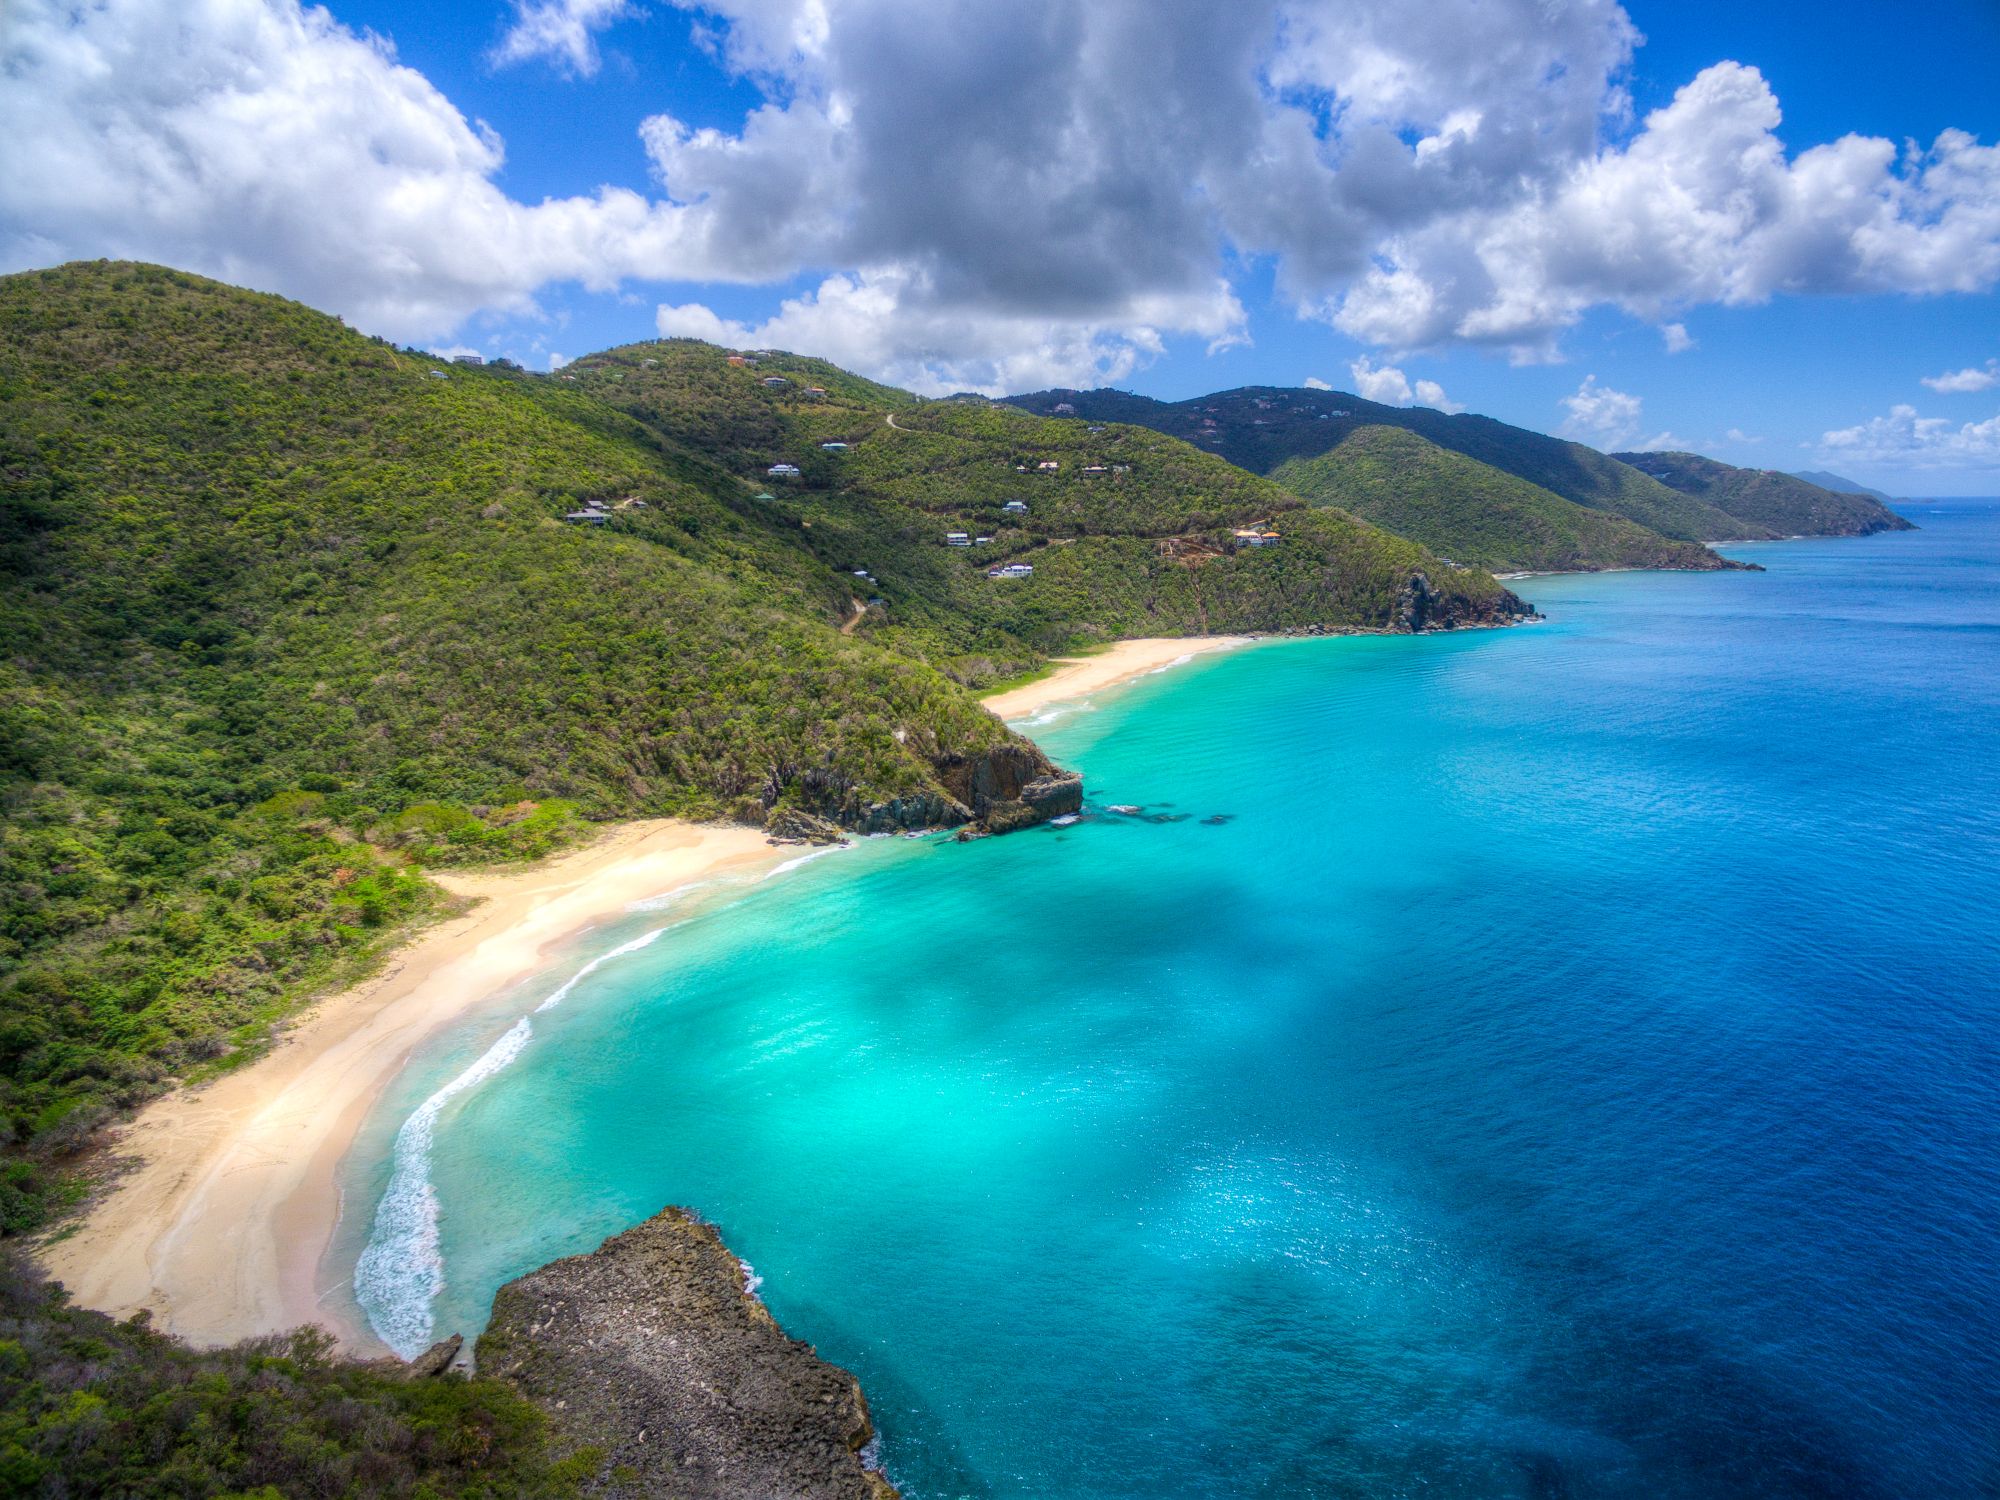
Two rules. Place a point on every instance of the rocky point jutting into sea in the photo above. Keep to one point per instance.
(655, 1349)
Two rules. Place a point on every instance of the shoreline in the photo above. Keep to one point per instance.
(219, 1227)
(1078, 676)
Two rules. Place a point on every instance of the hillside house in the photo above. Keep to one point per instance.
(467, 359)
(833, 447)
(783, 471)
(590, 515)
(814, 393)
(982, 541)
(1252, 537)
(957, 539)
(1011, 570)
(1096, 469)
(740, 361)
(763, 495)
(1064, 409)
(1016, 507)
(437, 375)
(775, 382)
(1047, 466)
(1095, 431)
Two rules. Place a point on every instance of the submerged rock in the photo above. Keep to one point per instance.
(653, 1349)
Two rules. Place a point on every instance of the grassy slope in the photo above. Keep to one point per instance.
(1304, 423)
(287, 615)
(1472, 512)
(1788, 505)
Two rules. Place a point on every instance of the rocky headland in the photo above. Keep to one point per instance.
(654, 1350)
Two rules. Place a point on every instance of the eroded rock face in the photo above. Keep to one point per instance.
(652, 1349)
(1011, 786)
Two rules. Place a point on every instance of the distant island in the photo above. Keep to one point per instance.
(1828, 481)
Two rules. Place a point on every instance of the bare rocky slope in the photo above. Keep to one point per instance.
(653, 1349)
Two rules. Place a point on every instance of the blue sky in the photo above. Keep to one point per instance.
(1470, 203)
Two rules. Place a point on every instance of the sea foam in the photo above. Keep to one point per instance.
(401, 1271)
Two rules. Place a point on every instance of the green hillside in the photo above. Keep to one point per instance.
(90, 1406)
(1474, 513)
(1261, 427)
(1839, 484)
(290, 614)
(1129, 533)
(1787, 504)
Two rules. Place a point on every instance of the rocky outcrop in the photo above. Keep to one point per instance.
(1010, 786)
(793, 825)
(1421, 606)
(1013, 785)
(653, 1349)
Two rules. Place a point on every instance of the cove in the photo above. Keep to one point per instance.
(1561, 1061)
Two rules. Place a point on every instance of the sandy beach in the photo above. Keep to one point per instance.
(220, 1228)
(1077, 676)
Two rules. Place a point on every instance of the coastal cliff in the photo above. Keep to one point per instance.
(1007, 786)
(653, 1349)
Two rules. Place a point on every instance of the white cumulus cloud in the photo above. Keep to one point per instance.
(1964, 382)
(1602, 417)
(1390, 386)
(562, 32)
(1037, 190)
(1676, 337)
(1905, 440)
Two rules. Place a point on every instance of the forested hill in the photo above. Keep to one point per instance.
(1264, 429)
(1474, 512)
(1789, 505)
(290, 613)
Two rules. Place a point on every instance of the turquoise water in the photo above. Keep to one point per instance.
(1572, 1069)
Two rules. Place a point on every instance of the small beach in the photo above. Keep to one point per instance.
(219, 1228)
(1076, 676)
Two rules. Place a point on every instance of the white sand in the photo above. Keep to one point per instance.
(221, 1227)
(1079, 676)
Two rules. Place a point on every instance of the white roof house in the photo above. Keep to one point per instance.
(783, 471)
(834, 447)
(467, 359)
(1011, 570)
(957, 539)
(1016, 507)
(774, 381)
(1048, 466)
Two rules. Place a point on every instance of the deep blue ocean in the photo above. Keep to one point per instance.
(1559, 1062)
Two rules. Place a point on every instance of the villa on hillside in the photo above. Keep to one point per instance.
(814, 392)
(467, 359)
(1252, 537)
(783, 471)
(834, 447)
(957, 539)
(1011, 570)
(592, 514)
(1016, 507)
(773, 382)
(1064, 409)
(1048, 466)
